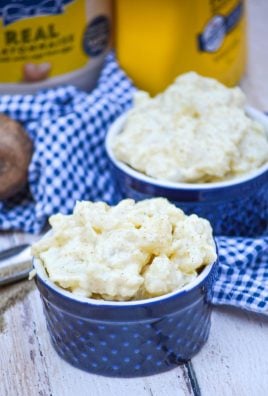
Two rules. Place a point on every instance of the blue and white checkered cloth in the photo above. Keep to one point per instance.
(68, 128)
(69, 163)
(242, 274)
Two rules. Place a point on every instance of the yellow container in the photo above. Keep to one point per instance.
(45, 43)
(157, 40)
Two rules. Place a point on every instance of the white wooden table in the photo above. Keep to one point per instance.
(234, 362)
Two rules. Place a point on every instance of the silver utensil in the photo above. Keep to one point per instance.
(15, 264)
(10, 252)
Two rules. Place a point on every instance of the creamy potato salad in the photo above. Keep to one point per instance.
(128, 251)
(196, 131)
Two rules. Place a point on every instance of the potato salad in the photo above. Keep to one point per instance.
(197, 131)
(130, 251)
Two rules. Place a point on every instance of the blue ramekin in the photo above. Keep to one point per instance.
(237, 207)
(128, 339)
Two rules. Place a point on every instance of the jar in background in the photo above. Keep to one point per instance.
(158, 40)
(46, 43)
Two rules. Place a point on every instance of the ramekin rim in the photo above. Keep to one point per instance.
(115, 129)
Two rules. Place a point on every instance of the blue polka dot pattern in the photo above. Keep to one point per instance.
(244, 216)
(128, 341)
(239, 210)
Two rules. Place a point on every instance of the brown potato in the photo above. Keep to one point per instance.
(15, 156)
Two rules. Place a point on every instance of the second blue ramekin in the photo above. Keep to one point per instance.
(237, 207)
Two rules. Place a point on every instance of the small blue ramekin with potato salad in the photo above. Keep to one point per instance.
(198, 145)
(126, 289)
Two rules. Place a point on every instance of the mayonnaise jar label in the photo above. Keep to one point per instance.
(40, 40)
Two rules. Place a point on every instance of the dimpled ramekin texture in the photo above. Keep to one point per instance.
(125, 340)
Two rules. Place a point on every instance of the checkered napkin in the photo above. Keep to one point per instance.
(242, 274)
(68, 128)
(69, 163)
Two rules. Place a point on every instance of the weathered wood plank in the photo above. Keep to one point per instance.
(235, 359)
(23, 370)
